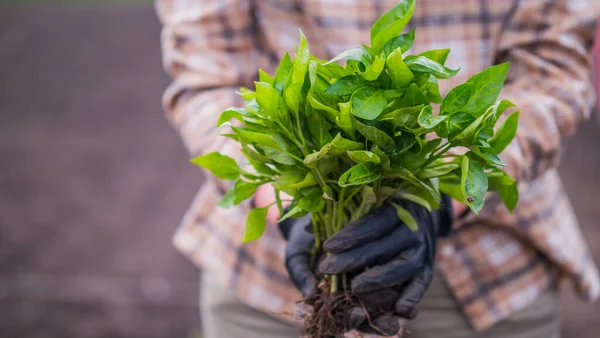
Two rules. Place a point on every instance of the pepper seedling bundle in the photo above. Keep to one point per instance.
(344, 139)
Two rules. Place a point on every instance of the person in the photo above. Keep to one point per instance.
(496, 274)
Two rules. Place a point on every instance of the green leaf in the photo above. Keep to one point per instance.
(455, 124)
(385, 160)
(368, 197)
(429, 85)
(222, 166)
(359, 54)
(240, 192)
(293, 97)
(500, 107)
(278, 202)
(340, 145)
(294, 91)
(398, 70)
(337, 146)
(255, 224)
(308, 181)
(406, 218)
(510, 196)
(278, 156)
(254, 155)
(438, 55)
(228, 199)
(377, 136)
(246, 94)
(252, 136)
(293, 212)
(402, 42)
(260, 167)
(330, 113)
(437, 170)
(425, 65)
(427, 120)
(318, 128)
(474, 184)
(390, 24)
(486, 88)
(231, 113)
(345, 120)
(408, 176)
(269, 99)
(406, 118)
(505, 132)
(373, 70)
(453, 190)
(363, 156)
(313, 203)
(413, 97)
(467, 136)
(488, 154)
(328, 164)
(457, 98)
(330, 70)
(385, 192)
(283, 73)
(294, 179)
(264, 77)
(347, 85)
(311, 160)
(416, 199)
(367, 103)
(497, 179)
(362, 173)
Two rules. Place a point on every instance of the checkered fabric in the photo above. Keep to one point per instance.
(495, 263)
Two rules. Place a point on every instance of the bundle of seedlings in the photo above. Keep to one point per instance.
(341, 140)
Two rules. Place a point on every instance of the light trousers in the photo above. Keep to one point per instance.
(225, 316)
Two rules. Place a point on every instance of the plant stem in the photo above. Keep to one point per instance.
(316, 230)
(340, 211)
(437, 153)
(319, 177)
(334, 281)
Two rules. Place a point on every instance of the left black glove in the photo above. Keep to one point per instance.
(298, 254)
(386, 257)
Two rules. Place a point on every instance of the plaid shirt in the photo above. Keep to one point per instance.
(495, 263)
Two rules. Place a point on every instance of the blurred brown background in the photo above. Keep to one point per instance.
(93, 181)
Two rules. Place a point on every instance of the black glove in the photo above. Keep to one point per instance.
(300, 261)
(398, 262)
(298, 254)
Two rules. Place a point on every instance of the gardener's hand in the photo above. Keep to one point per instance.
(387, 259)
(298, 254)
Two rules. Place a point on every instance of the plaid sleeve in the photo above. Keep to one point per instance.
(549, 45)
(209, 51)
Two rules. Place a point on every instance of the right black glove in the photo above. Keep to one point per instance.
(389, 259)
(385, 259)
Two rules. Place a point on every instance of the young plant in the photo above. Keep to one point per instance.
(344, 139)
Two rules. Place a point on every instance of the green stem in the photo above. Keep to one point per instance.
(351, 195)
(340, 211)
(334, 282)
(437, 153)
(316, 230)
